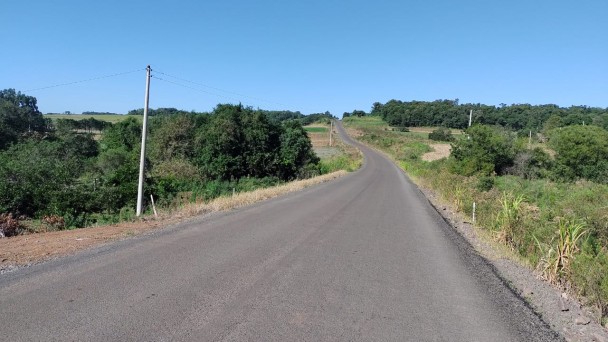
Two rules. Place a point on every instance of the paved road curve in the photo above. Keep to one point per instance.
(364, 258)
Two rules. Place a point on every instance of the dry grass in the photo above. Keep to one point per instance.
(320, 138)
(440, 151)
(431, 129)
(247, 198)
(109, 118)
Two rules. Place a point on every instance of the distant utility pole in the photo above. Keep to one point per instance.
(144, 131)
(331, 129)
(470, 117)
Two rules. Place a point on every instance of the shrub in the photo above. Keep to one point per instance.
(441, 134)
(581, 152)
(485, 183)
(487, 150)
(9, 226)
(54, 222)
(531, 164)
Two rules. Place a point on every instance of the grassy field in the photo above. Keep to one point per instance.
(316, 129)
(108, 118)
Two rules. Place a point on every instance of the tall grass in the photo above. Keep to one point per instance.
(508, 219)
(557, 257)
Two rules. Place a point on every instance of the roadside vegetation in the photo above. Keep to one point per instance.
(63, 173)
(543, 194)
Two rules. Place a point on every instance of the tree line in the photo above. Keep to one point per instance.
(517, 117)
(57, 168)
(273, 115)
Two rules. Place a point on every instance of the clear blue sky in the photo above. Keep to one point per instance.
(310, 56)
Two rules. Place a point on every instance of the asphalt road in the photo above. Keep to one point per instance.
(363, 258)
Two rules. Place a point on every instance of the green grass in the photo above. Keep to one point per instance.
(316, 129)
(101, 117)
(365, 121)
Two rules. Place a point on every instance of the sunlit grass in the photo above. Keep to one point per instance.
(100, 117)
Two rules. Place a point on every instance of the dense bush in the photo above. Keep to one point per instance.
(486, 150)
(441, 134)
(581, 152)
(531, 164)
(19, 117)
(35, 176)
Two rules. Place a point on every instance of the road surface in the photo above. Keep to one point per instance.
(363, 258)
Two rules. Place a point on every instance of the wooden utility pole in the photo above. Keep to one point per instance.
(142, 160)
(331, 130)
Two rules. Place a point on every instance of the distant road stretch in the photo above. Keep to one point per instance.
(363, 258)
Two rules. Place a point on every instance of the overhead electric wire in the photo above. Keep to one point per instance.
(85, 80)
(193, 88)
(219, 89)
(240, 98)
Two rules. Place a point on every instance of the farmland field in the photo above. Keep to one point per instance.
(101, 117)
(316, 129)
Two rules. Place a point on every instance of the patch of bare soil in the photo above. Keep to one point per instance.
(440, 151)
(34, 248)
(31, 248)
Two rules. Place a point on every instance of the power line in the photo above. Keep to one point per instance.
(180, 84)
(219, 89)
(85, 80)
(193, 88)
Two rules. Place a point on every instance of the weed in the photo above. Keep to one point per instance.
(53, 222)
(508, 219)
(590, 274)
(9, 226)
(555, 264)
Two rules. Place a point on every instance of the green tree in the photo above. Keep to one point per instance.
(296, 151)
(19, 116)
(220, 144)
(261, 139)
(117, 166)
(39, 176)
(552, 122)
(124, 134)
(172, 137)
(581, 152)
(602, 121)
(118, 171)
(487, 150)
